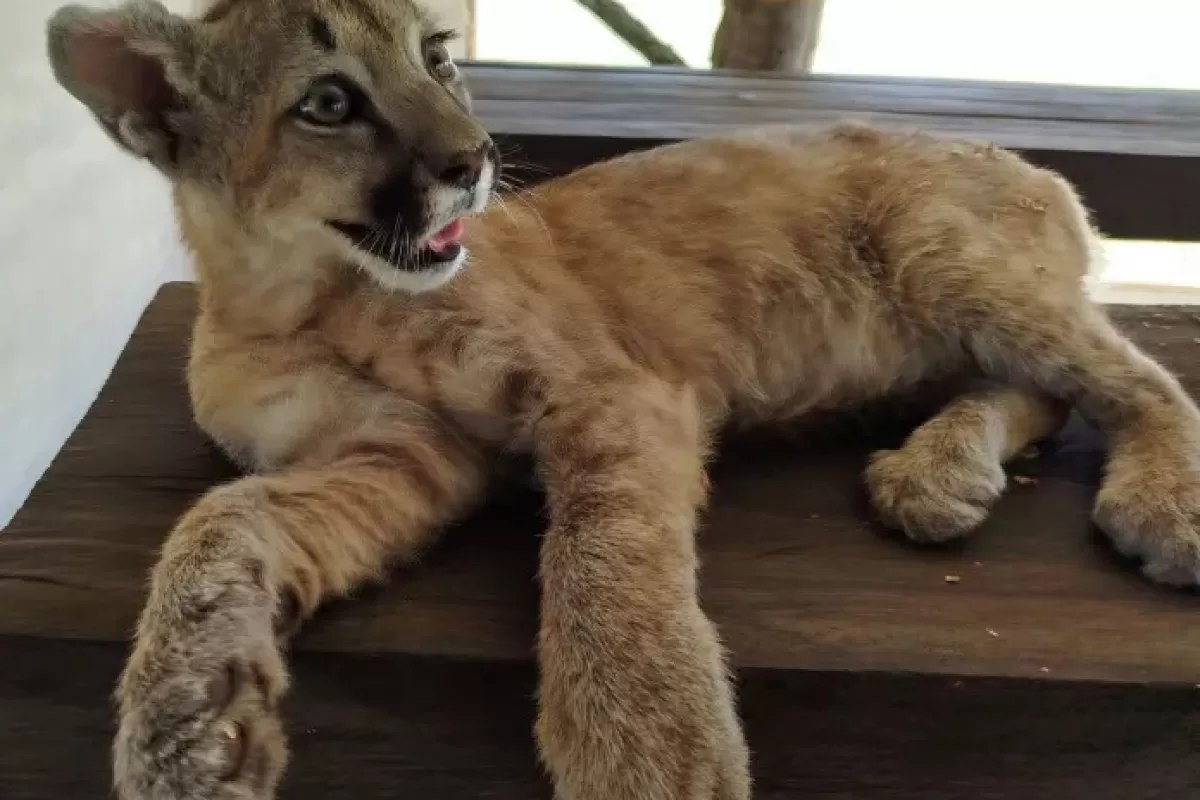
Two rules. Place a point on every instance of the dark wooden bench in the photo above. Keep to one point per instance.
(1047, 671)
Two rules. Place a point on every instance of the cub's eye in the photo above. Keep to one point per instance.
(329, 102)
(438, 59)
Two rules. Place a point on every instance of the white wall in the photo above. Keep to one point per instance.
(85, 234)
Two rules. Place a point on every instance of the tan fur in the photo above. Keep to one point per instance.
(611, 324)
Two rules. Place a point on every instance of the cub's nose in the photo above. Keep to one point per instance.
(464, 168)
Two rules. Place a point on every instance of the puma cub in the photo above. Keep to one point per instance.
(371, 341)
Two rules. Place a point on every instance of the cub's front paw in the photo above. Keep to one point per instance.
(198, 699)
(1152, 512)
(933, 499)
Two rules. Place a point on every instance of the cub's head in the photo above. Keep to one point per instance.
(341, 125)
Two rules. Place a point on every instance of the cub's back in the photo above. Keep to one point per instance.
(764, 261)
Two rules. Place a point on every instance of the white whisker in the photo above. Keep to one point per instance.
(537, 215)
(503, 205)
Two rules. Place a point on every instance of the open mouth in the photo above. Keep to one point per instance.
(442, 246)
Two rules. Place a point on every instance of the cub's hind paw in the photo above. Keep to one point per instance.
(933, 500)
(1155, 519)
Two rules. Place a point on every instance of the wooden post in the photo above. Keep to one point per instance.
(471, 29)
(774, 35)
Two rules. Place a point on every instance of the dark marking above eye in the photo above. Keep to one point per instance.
(321, 33)
(442, 36)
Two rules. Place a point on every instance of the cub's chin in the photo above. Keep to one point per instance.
(396, 267)
(421, 276)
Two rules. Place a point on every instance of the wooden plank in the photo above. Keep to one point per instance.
(384, 726)
(795, 573)
(1169, 113)
(1132, 153)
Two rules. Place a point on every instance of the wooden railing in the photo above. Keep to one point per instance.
(1133, 154)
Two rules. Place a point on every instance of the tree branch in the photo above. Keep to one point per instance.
(633, 31)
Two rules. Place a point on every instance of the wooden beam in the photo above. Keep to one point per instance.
(1133, 154)
(472, 32)
(771, 35)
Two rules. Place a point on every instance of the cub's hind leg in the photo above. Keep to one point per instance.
(994, 262)
(1149, 501)
(943, 481)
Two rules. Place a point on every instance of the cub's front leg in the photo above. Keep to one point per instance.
(635, 701)
(198, 698)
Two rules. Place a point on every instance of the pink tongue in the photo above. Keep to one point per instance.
(445, 237)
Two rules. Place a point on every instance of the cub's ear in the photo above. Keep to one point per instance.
(129, 66)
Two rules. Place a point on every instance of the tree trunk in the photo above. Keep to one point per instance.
(773, 35)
